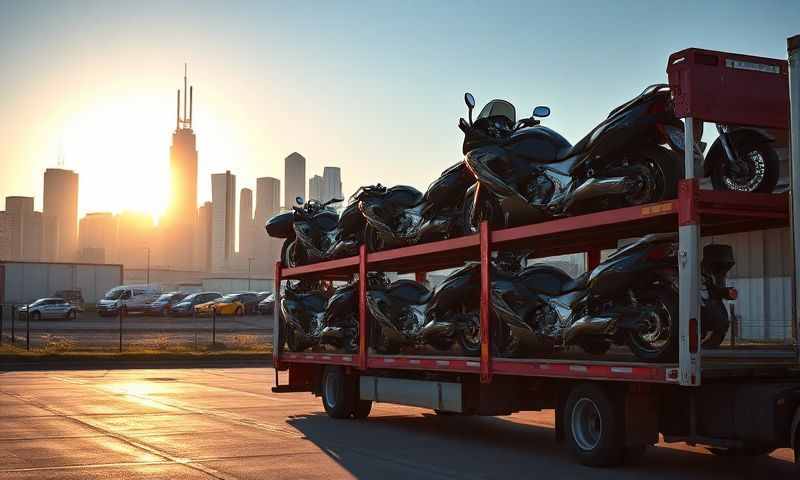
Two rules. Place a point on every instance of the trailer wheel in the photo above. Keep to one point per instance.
(338, 394)
(362, 408)
(593, 426)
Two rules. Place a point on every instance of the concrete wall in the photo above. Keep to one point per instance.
(25, 282)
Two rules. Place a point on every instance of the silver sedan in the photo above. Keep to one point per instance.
(49, 308)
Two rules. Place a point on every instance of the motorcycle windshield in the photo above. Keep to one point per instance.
(499, 108)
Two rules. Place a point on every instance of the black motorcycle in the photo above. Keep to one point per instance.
(303, 314)
(527, 173)
(401, 215)
(340, 322)
(314, 232)
(717, 261)
(407, 315)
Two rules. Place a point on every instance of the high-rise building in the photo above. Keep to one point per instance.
(294, 178)
(97, 238)
(316, 188)
(245, 224)
(332, 183)
(135, 239)
(223, 222)
(61, 203)
(177, 231)
(203, 238)
(268, 203)
(5, 240)
(24, 227)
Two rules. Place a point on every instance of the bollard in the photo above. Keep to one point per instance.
(13, 321)
(214, 326)
(120, 328)
(28, 328)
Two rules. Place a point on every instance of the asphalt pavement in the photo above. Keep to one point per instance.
(226, 424)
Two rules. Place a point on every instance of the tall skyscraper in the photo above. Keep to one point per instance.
(316, 188)
(97, 238)
(332, 183)
(24, 229)
(203, 238)
(245, 224)
(223, 222)
(268, 203)
(61, 204)
(5, 240)
(176, 230)
(294, 178)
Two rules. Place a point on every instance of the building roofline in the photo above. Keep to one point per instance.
(86, 264)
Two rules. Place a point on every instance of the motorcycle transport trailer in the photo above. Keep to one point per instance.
(737, 400)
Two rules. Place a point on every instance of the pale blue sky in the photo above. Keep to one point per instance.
(374, 87)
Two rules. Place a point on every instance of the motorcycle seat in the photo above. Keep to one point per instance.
(409, 292)
(577, 283)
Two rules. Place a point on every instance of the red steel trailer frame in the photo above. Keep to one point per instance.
(711, 86)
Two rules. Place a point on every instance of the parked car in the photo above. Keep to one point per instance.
(187, 304)
(165, 302)
(49, 308)
(232, 304)
(267, 305)
(74, 297)
(127, 298)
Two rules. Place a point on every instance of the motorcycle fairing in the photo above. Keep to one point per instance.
(305, 312)
(322, 236)
(281, 225)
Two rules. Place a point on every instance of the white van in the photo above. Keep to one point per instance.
(128, 298)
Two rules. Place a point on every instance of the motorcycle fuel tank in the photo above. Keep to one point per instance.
(449, 188)
(538, 144)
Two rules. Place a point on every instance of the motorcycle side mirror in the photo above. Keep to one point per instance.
(541, 111)
(470, 101)
(299, 200)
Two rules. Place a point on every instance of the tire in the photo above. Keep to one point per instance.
(469, 335)
(488, 210)
(362, 408)
(715, 337)
(35, 316)
(594, 346)
(661, 169)
(293, 343)
(284, 248)
(593, 426)
(757, 154)
(338, 393)
(239, 312)
(292, 254)
(661, 348)
(72, 315)
(746, 451)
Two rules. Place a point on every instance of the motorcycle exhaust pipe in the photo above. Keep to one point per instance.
(598, 187)
(590, 325)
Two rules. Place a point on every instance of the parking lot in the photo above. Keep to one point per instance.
(226, 424)
(91, 331)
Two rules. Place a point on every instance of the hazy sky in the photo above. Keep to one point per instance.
(373, 87)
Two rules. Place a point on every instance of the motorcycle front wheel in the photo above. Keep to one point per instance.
(656, 338)
(487, 210)
(469, 335)
(373, 239)
(759, 168)
(292, 254)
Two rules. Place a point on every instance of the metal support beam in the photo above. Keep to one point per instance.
(363, 328)
(277, 335)
(688, 270)
(486, 344)
(793, 47)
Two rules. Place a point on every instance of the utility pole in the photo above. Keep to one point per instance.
(148, 265)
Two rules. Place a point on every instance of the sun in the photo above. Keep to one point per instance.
(120, 148)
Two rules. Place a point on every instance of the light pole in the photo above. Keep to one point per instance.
(249, 272)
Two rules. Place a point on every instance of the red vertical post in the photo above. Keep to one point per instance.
(363, 333)
(592, 258)
(421, 277)
(486, 345)
(277, 335)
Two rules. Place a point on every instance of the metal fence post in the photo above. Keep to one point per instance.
(28, 328)
(213, 326)
(13, 321)
(120, 328)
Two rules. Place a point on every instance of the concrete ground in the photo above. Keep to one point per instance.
(226, 424)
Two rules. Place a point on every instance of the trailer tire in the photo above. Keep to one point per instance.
(338, 393)
(593, 426)
(362, 408)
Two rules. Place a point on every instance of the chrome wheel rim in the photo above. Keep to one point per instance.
(472, 332)
(757, 166)
(653, 333)
(331, 388)
(587, 424)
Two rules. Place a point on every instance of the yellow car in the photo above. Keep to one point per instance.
(232, 304)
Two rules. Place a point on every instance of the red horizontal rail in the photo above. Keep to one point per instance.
(324, 358)
(450, 364)
(347, 264)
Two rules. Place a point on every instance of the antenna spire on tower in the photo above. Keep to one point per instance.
(184, 92)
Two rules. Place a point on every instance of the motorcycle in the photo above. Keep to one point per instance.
(407, 315)
(742, 159)
(340, 322)
(714, 267)
(528, 173)
(303, 313)
(401, 215)
(314, 232)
